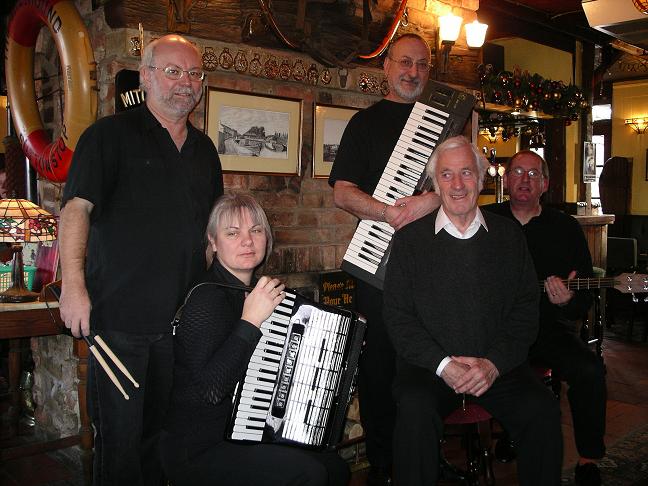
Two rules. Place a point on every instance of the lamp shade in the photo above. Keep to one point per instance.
(476, 33)
(23, 221)
(449, 27)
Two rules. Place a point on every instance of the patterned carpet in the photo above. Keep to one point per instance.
(626, 463)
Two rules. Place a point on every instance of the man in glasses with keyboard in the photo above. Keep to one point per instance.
(364, 151)
(134, 211)
(559, 251)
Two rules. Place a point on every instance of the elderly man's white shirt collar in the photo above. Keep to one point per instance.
(443, 222)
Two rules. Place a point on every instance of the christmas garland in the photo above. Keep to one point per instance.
(531, 92)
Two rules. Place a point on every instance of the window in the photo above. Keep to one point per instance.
(601, 112)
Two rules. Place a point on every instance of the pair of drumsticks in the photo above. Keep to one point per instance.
(55, 290)
(90, 340)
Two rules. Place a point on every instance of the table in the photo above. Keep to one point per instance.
(33, 319)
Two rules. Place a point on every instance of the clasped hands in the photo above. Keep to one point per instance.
(472, 376)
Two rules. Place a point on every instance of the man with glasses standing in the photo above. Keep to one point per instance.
(133, 217)
(364, 151)
(559, 251)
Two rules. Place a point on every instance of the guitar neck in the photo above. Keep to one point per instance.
(587, 283)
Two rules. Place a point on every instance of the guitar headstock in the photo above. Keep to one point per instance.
(631, 283)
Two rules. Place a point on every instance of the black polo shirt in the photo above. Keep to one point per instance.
(151, 203)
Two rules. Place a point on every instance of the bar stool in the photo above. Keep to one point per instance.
(477, 437)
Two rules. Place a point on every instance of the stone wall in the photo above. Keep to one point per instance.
(55, 386)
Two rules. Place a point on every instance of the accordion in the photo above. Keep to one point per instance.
(301, 376)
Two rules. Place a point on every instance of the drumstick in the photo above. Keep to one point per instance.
(95, 352)
(115, 359)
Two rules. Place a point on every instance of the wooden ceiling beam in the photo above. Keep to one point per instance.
(511, 19)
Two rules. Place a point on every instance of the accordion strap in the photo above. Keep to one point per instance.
(178, 315)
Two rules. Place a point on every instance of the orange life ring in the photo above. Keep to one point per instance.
(50, 159)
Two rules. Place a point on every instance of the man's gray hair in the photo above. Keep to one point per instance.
(453, 143)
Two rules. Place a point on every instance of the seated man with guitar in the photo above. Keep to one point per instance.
(559, 251)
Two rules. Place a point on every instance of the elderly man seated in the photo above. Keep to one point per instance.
(462, 323)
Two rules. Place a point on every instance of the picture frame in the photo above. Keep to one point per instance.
(254, 133)
(646, 176)
(589, 162)
(329, 122)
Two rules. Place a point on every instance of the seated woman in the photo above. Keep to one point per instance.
(216, 336)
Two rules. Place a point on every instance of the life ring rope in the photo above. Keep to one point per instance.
(51, 159)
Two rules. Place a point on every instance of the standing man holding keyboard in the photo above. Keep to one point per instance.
(364, 151)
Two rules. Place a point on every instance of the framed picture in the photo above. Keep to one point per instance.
(329, 124)
(253, 133)
(589, 162)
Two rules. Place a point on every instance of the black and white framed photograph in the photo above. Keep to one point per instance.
(254, 133)
(329, 124)
(589, 162)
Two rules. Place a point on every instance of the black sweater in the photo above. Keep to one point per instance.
(213, 346)
(476, 297)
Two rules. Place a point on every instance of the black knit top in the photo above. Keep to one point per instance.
(213, 346)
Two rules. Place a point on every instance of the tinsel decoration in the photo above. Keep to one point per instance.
(531, 92)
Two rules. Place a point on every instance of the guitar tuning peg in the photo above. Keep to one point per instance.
(634, 298)
(646, 298)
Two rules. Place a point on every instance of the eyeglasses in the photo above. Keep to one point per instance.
(407, 63)
(532, 173)
(175, 73)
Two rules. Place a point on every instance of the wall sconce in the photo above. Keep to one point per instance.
(639, 125)
(449, 28)
(476, 34)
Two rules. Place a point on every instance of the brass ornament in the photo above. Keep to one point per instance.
(285, 70)
(299, 71)
(271, 68)
(255, 65)
(313, 74)
(325, 76)
(240, 62)
(384, 87)
(226, 60)
(209, 59)
(343, 73)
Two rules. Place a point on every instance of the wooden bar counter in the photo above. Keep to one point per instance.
(595, 228)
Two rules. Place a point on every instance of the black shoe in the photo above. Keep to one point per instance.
(504, 450)
(379, 476)
(587, 475)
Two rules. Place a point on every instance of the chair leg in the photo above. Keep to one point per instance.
(472, 459)
(486, 459)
